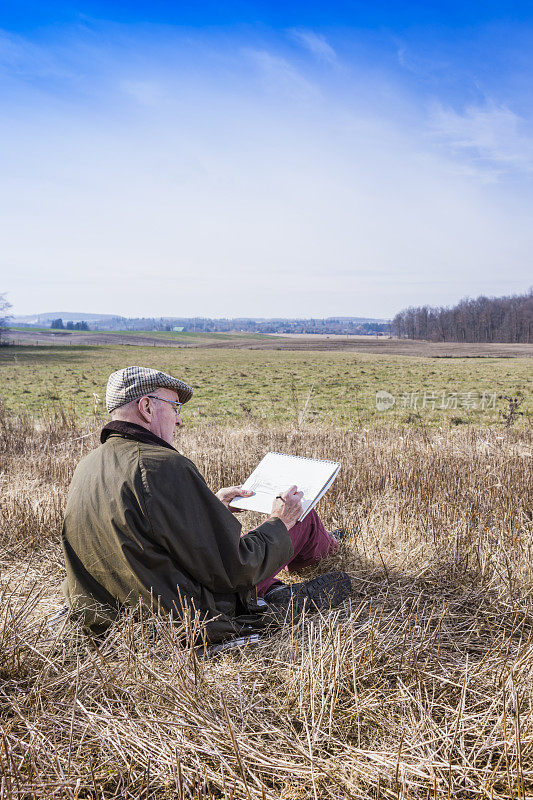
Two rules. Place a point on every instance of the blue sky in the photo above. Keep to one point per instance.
(261, 159)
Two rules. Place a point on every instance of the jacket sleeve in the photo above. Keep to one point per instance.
(200, 535)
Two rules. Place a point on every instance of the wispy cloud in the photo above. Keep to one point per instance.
(420, 61)
(22, 58)
(316, 44)
(492, 133)
(146, 93)
(281, 77)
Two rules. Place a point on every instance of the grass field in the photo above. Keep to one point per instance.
(160, 337)
(419, 688)
(318, 387)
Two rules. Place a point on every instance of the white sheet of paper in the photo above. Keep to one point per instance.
(277, 472)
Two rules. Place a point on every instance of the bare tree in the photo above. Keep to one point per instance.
(4, 316)
(484, 319)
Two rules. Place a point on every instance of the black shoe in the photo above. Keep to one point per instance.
(320, 593)
(338, 533)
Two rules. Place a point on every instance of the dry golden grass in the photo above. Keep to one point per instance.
(421, 687)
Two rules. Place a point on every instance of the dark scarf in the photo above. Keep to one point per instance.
(130, 430)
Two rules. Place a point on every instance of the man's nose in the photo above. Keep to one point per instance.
(179, 420)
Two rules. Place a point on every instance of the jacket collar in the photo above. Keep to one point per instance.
(130, 430)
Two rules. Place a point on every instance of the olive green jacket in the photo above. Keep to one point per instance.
(141, 522)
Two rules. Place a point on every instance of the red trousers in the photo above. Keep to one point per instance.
(311, 543)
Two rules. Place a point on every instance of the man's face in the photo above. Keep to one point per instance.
(164, 417)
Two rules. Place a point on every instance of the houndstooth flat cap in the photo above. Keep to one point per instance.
(130, 383)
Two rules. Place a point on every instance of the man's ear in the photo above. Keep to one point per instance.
(144, 409)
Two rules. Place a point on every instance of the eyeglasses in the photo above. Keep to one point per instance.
(175, 403)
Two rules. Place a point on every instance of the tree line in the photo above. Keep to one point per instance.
(70, 326)
(483, 319)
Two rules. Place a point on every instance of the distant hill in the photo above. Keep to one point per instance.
(66, 316)
(77, 316)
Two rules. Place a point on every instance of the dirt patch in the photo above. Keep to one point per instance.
(360, 344)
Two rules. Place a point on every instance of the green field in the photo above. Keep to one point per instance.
(274, 385)
(185, 337)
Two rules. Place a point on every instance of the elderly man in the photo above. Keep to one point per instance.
(141, 523)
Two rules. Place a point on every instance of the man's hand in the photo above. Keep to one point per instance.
(227, 495)
(289, 508)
